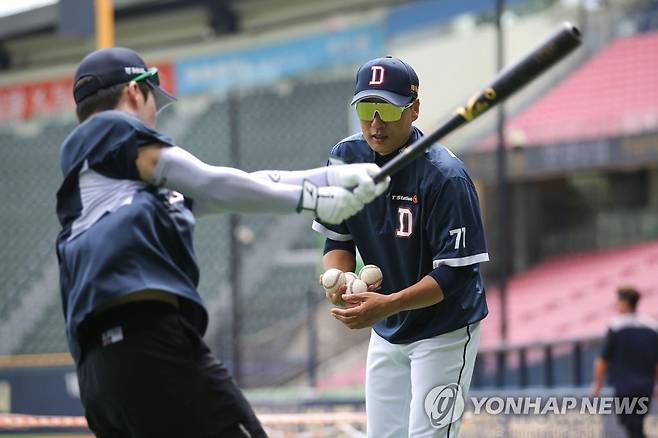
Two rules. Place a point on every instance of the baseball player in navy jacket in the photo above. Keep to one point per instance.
(426, 235)
(128, 273)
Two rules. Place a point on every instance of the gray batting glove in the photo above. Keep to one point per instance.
(332, 205)
(359, 178)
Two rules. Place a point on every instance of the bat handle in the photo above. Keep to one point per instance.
(381, 176)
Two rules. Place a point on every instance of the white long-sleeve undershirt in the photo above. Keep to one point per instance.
(216, 189)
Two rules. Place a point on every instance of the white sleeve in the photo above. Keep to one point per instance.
(317, 176)
(217, 189)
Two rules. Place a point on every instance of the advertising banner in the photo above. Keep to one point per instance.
(21, 101)
(274, 61)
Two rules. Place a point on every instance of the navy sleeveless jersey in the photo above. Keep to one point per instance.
(119, 234)
(429, 217)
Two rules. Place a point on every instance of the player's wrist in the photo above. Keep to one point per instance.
(394, 303)
(308, 200)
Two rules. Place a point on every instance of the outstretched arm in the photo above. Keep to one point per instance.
(221, 189)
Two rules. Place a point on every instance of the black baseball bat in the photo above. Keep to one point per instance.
(558, 45)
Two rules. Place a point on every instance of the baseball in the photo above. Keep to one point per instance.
(371, 275)
(332, 280)
(349, 276)
(356, 286)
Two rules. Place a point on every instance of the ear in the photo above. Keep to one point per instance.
(415, 109)
(132, 93)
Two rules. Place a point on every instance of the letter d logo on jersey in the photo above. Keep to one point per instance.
(444, 405)
(377, 77)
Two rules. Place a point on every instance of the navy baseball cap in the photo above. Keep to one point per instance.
(387, 78)
(116, 65)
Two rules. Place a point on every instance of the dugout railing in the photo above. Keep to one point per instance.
(545, 364)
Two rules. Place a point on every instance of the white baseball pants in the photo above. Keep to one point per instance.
(399, 378)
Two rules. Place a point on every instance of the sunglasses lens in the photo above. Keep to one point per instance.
(387, 112)
(364, 112)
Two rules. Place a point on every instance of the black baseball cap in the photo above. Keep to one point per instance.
(116, 65)
(388, 78)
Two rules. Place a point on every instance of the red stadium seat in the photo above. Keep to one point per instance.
(573, 295)
(615, 93)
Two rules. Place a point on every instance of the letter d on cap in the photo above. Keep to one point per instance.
(377, 77)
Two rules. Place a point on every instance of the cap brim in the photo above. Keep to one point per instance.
(395, 99)
(162, 98)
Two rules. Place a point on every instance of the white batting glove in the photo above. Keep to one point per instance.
(359, 178)
(332, 205)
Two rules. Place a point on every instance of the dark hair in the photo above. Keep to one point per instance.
(630, 295)
(104, 99)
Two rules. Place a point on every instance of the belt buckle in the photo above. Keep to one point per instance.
(112, 336)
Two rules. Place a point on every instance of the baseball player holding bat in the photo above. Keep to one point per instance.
(426, 235)
(128, 273)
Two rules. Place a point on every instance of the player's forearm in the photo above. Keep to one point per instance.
(217, 188)
(356, 177)
(339, 259)
(425, 293)
(317, 176)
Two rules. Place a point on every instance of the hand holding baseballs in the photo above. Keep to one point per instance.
(336, 282)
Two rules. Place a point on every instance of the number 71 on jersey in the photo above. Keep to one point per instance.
(460, 240)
